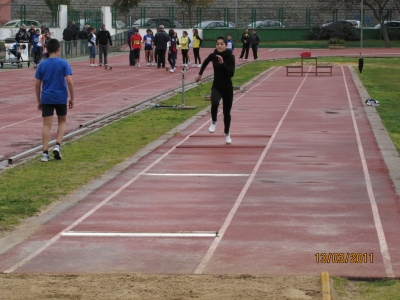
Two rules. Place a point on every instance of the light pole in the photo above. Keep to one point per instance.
(236, 24)
(362, 24)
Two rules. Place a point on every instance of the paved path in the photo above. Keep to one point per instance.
(303, 179)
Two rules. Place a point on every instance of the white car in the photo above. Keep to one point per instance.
(389, 24)
(214, 24)
(266, 24)
(18, 23)
(120, 24)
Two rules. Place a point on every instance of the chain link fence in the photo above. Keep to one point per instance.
(176, 16)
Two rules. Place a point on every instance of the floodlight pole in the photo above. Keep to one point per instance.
(236, 8)
(362, 24)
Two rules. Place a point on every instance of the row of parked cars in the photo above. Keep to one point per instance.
(168, 23)
(357, 24)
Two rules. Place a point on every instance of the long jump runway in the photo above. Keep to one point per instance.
(302, 189)
(97, 93)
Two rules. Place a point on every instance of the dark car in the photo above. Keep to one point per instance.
(156, 22)
(341, 29)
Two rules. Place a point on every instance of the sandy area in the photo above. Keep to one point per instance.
(143, 286)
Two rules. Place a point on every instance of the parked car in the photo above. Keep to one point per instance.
(266, 24)
(339, 23)
(156, 22)
(120, 24)
(356, 23)
(214, 24)
(18, 23)
(341, 29)
(390, 24)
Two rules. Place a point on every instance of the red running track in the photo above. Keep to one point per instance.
(303, 176)
(98, 92)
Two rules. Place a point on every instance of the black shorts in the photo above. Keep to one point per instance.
(148, 47)
(48, 109)
(136, 53)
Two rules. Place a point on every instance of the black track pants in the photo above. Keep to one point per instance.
(227, 99)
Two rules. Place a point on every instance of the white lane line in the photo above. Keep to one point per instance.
(197, 175)
(374, 207)
(85, 102)
(192, 234)
(206, 259)
(114, 194)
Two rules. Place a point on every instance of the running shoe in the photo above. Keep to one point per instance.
(57, 152)
(240, 59)
(211, 129)
(100, 64)
(228, 138)
(138, 65)
(172, 70)
(45, 157)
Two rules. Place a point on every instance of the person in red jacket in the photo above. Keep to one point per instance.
(136, 44)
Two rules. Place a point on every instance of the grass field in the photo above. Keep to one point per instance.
(27, 188)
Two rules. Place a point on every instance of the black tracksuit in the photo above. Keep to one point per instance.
(222, 85)
(160, 42)
(255, 40)
(246, 45)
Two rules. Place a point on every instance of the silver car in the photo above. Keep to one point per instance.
(266, 24)
(18, 23)
(214, 24)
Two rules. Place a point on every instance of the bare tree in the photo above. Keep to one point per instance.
(124, 5)
(379, 10)
(189, 4)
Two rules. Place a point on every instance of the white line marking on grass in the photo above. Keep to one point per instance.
(106, 200)
(375, 212)
(236, 205)
(188, 234)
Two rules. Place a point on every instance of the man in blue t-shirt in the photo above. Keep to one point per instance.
(53, 81)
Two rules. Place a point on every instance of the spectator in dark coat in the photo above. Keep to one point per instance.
(83, 36)
(22, 35)
(102, 40)
(160, 42)
(68, 36)
(75, 31)
(255, 40)
(246, 44)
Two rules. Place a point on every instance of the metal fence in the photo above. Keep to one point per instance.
(80, 47)
(291, 17)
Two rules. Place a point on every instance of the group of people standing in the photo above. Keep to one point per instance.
(162, 43)
(37, 40)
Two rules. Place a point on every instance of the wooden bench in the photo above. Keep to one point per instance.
(294, 67)
(324, 67)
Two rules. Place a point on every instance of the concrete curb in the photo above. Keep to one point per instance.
(325, 286)
(385, 144)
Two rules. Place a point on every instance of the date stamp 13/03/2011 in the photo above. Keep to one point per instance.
(344, 258)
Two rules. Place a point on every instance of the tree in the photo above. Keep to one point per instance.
(55, 3)
(379, 10)
(189, 4)
(124, 5)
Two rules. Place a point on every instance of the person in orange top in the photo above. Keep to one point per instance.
(136, 44)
